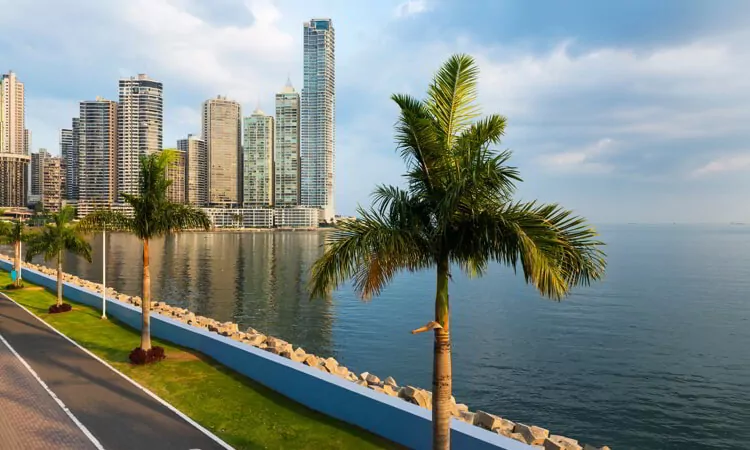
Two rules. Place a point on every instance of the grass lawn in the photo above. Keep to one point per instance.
(243, 413)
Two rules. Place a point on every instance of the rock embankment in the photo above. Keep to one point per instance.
(529, 434)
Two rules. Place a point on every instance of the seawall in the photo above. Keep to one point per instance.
(387, 416)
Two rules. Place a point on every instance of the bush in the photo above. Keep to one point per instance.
(65, 307)
(139, 356)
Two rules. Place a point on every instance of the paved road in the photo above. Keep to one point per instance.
(115, 412)
(30, 418)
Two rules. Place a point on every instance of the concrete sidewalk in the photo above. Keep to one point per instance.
(117, 413)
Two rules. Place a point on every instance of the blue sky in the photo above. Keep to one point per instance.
(629, 111)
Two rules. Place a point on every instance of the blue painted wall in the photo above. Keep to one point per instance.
(386, 416)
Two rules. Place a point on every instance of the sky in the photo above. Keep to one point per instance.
(624, 111)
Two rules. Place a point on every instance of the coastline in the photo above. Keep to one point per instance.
(528, 434)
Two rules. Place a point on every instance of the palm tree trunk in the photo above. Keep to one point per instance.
(59, 278)
(442, 377)
(17, 263)
(146, 301)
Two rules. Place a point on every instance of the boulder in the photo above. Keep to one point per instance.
(466, 416)
(486, 420)
(231, 326)
(461, 407)
(251, 330)
(331, 364)
(591, 447)
(517, 437)
(362, 383)
(388, 389)
(311, 360)
(550, 444)
(390, 382)
(273, 350)
(341, 371)
(238, 336)
(353, 377)
(563, 439)
(372, 379)
(532, 435)
(416, 396)
(255, 339)
(300, 353)
(292, 355)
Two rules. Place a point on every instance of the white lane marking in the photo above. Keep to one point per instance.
(133, 382)
(59, 402)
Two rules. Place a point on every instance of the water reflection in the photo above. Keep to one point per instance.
(255, 279)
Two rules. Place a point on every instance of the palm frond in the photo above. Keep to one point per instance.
(556, 249)
(451, 96)
(371, 250)
(108, 219)
(178, 217)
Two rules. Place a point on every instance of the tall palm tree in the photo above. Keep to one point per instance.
(455, 211)
(58, 236)
(153, 216)
(13, 234)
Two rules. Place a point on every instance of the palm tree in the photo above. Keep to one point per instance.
(153, 216)
(57, 236)
(13, 234)
(455, 211)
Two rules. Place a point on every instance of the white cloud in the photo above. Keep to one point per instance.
(589, 159)
(410, 8)
(731, 163)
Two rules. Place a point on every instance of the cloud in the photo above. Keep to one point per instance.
(731, 163)
(410, 8)
(589, 159)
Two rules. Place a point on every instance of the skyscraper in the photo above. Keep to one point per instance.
(51, 184)
(258, 160)
(139, 128)
(286, 151)
(66, 148)
(14, 156)
(176, 173)
(318, 117)
(97, 152)
(71, 162)
(222, 130)
(37, 172)
(196, 169)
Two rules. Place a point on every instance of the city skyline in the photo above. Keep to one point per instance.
(609, 110)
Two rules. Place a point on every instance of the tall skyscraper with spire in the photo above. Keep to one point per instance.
(139, 128)
(257, 161)
(287, 148)
(14, 154)
(318, 131)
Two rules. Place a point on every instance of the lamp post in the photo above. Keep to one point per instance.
(104, 271)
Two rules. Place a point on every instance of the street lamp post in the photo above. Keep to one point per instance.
(104, 272)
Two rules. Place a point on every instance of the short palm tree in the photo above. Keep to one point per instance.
(153, 216)
(455, 211)
(13, 234)
(58, 236)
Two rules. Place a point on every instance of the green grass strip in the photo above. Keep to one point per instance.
(243, 413)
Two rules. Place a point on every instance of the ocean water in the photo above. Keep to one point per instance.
(656, 356)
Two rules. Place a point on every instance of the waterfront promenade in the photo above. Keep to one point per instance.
(111, 412)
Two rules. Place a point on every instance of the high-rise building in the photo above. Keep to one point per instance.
(72, 162)
(51, 184)
(14, 155)
(221, 130)
(196, 169)
(318, 117)
(66, 152)
(97, 152)
(139, 128)
(286, 148)
(37, 172)
(176, 173)
(257, 163)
